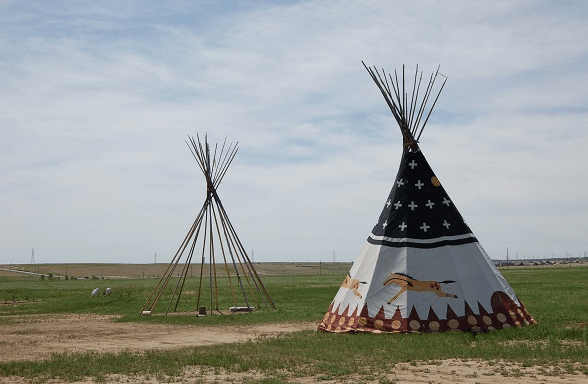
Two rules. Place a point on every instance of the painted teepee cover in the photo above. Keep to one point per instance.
(422, 269)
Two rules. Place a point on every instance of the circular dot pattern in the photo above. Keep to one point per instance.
(511, 316)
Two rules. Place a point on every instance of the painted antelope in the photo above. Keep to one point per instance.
(408, 283)
(352, 284)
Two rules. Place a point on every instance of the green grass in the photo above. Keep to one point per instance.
(556, 297)
(297, 297)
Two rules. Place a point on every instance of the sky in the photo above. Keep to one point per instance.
(97, 100)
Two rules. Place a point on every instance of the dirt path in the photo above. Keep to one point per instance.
(36, 337)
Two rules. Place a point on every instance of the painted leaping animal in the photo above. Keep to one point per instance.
(408, 283)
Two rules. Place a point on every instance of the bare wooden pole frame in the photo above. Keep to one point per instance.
(214, 233)
(407, 110)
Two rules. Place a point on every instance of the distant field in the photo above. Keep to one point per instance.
(134, 271)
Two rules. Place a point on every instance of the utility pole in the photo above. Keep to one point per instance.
(334, 259)
(33, 256)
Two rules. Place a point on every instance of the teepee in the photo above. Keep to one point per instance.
(421, 269)
(226, 276)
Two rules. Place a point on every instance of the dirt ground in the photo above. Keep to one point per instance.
(36, 337)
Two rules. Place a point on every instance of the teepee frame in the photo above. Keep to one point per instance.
(403, 108)
(212, 234)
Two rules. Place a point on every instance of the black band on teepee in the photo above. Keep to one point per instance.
(415, 244)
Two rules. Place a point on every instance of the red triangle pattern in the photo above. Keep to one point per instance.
(505, 314)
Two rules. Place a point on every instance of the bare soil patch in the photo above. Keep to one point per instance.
(579, 325)
(36, 337)
(472, 371)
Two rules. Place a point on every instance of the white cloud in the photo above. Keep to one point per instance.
(97, 99)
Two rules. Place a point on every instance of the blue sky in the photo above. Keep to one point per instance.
(97, 98)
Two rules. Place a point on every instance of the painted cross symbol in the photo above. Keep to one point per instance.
(399, 183)
(419, 184)
(388, 203)
(430, 204)
(397, 204)
(402, 226)
(412, 164)
(385, 224)
(412, 205)
(424, 227)
(446, 201)
(446, 224)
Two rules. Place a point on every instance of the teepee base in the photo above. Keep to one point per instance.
(505, 314)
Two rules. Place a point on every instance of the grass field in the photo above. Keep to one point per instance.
(557, 297)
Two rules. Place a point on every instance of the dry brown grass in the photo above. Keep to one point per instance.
(156, 270)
